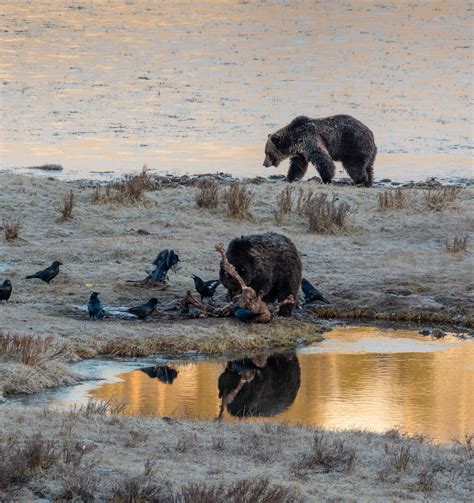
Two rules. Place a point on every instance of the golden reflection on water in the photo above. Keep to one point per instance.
(197, 86)
(358, 378)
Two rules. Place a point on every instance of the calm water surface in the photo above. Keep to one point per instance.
(186, 87)
(357, 378)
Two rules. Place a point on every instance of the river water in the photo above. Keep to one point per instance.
(362, 377)
(188, 87)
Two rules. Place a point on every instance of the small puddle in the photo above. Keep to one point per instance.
(362, 378)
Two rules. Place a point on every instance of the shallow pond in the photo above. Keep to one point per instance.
(360, 377)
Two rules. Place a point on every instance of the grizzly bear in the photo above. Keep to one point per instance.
(321, 142)
(269, 263)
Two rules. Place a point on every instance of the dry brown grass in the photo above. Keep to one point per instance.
(285, 202)
(394, 199)
(327, 455)
(67, 207)
(98, 407)
(238, 198)
(130, 190)
(12, 227)
(325, 216)
(459, 245)
(439, 199)
(28, 349)
(207, 195)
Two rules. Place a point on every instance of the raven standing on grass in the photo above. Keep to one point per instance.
(5, 290)
(205, 288)
(94, 306)
(312, 294)
(144, 310)
(47, 274)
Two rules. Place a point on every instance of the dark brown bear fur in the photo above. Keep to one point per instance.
(268, 263)
(321, 142)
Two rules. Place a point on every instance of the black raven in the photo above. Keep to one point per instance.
(166, 260)
(5, 290)
(312, 294)
(47, 274)
(94, 306)
(205, 288)
(144, 310)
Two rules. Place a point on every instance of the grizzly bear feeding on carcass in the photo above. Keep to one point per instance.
(269, 263)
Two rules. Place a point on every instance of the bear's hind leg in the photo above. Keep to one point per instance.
(356, 168)
(298, 167)
(324, 164)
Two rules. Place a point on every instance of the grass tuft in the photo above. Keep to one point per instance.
(67, 207)
(439, 199)
(238, 198)
(325, 216)
(28, 349)
(284, 204)
(12, 227)
(130, 190)
(394, 199)
(326, 455)
(207, 195)
(459, 245)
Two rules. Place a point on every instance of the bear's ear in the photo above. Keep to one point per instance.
(269, 134)
(276, 139)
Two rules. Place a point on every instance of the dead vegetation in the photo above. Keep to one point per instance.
(458, 245)
(207, 195)
(325, 216)
(285, 202)
(394, 199)
(238, 198)
(86, 457)
(12, 227)
(327, 455)
(130, 190)
(439, 199)
(67, 207)
(28, 349)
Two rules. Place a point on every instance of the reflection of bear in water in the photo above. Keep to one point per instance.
(255, 387)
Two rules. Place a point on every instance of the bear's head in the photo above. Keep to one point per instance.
(241, 255)
(276, 149)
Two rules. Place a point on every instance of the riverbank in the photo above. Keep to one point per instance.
(383, 263)
(94, 453)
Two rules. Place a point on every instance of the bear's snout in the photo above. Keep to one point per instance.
(267, 163)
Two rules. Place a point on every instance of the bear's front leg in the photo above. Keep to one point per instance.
(298, 168)
(323, 163)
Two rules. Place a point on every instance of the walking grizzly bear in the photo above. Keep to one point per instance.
(268, 263)
(321, 142)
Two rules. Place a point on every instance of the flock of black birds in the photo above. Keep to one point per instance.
(165, 261)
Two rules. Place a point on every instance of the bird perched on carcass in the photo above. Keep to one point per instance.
(243, 314)
(94, 306)
(5, 290)
(166, 260)
(144, 310)
(47, 274)
(312, 294)
(206, 289)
